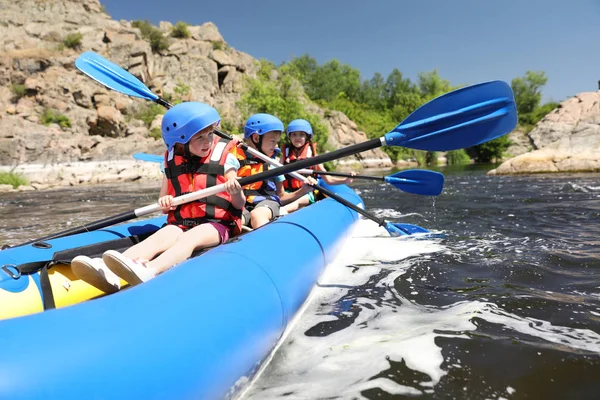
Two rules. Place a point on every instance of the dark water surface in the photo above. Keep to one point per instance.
(508, 306)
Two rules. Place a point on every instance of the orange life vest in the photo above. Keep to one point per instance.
(290, 155)
(257, 191)
(190, 174)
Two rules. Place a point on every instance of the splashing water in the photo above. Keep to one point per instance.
(358, 326)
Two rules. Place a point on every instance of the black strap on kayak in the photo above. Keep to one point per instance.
(42, 267)
(65, 257)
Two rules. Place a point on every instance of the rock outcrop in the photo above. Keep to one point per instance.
(51, 113)
(566, 140)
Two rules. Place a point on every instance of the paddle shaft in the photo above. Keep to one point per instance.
(341, 174)
(286, 169)
(296, 175)
(463, 118)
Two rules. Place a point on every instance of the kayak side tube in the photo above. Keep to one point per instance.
(193, 332)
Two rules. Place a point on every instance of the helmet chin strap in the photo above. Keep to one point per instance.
(259, 144)
(186, 150)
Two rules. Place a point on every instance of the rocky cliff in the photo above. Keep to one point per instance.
(51, 113)
(566, 140)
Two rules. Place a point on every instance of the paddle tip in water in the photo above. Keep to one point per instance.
(412, 231)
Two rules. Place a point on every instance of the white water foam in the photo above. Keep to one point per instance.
(390, 327)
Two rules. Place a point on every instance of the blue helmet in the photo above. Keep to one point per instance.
(300, 125)
(261, 124)
(184, 120)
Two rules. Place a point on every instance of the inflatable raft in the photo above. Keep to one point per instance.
(196, 331)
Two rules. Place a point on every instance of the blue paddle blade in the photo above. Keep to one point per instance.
(418, 181)
(462, 118)
(396, 229)
(151, 158)
(148, 157)
(112, 76)
(408, 230)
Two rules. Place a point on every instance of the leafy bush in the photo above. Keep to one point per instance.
(419, 156)
(73, 40)
(158, 42)
(457, 157)
(54, 117)
(181, 91)
(148, 112)
(490, 151)
(218, 45)
(229, 127)
(431, 158)
(18, 91)
(155, 133)
(10, 178)
(373, 122)
(281, 97)
(180, 31)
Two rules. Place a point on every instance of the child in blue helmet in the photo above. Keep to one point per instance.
(265, 198)
(300, 147)
(195, 159)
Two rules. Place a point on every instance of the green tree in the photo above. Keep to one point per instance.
(489, 151)
(528, 95)
(280, 94)
(542, 111)
(457, 157)
(331, 79)
(303, 67)
(432, 85)
(397, 87)
(373, 92)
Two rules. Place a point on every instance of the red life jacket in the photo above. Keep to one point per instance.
(290, 155)
(190, 174)
(257, 191)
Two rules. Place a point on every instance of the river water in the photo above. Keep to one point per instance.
(506, 306)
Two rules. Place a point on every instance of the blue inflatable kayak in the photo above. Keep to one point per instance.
(192, 332)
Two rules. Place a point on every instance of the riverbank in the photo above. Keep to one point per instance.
(48, 176)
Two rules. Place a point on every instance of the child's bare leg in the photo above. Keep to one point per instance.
(260, 216)
(155, 244)
(199, 237)
(297, 204)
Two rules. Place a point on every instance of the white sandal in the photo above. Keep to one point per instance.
(95, 272)
(132, 271)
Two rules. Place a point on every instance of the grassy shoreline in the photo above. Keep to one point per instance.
(13, 179)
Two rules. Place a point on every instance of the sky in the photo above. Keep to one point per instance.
(467, 41)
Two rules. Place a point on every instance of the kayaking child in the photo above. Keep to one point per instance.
(264, 199)
(300, 147)
(195, 159)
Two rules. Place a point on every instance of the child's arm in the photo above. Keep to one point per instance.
(164, 188)
(332, 180)
(232, 186)
(164, 199)
(287, 198)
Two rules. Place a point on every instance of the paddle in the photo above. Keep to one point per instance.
(149, 157)
(463, 118)
(416, 181)
(393, 229)
(116, 78)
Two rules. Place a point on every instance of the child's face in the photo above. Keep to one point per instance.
(201, 142)
(270, 141)
(298, 139)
